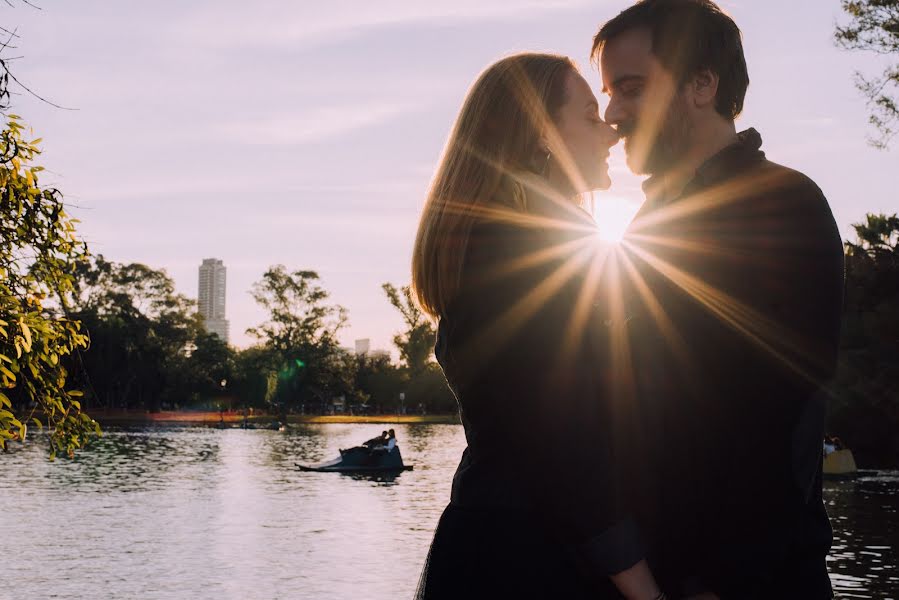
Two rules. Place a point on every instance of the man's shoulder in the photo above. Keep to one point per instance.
(796, 201)
(775, 177)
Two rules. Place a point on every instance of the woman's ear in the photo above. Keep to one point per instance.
(705, 88)
(543, 147)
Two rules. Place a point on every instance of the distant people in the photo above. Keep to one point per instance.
(391, 440)
(829, 446)
(374, 442)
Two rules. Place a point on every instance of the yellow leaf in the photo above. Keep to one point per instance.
(27, 333)
(9, 374)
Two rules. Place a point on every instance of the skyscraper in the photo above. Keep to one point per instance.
(363, 346)
(211, 296)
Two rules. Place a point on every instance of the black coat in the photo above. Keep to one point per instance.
(524, 350)
(747, 269)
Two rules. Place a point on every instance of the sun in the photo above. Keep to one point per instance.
(612, 215)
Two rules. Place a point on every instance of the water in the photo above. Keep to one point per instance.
(205, 513)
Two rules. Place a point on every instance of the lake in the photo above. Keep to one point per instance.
(209, 513)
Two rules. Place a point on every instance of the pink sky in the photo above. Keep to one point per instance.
(306, 133)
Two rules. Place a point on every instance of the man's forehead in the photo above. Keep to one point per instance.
(629, 52)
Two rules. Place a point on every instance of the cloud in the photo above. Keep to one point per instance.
(270, 23)
(313, 125)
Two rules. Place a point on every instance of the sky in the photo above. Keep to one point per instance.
(306, 133)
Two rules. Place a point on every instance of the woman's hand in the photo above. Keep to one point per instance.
(637, 583)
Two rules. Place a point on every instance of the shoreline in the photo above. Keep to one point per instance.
(215, 418)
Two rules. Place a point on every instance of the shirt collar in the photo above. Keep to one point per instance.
(745, 150)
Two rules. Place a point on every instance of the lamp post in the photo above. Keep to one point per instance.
(402, 403)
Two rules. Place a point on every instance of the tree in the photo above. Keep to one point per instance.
(426, 384)
(38, 251)
(380, 381)
(865, 409)
(874, 27)
(416, 343)
(148, 344)
(301, 334)
(255, 376)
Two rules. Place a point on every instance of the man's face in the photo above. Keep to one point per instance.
(644, 103)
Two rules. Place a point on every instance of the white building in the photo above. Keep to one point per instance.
(363, 346)
(211, 296)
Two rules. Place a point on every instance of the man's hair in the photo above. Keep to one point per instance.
(689, 36)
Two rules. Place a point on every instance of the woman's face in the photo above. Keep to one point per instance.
(586, 138)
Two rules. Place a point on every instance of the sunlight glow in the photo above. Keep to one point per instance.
(613, 215)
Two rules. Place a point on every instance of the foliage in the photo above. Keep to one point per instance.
(426, 386)
(430, 390)
(865, 411)
(416, 343)
(38, 251)
(380, 382)
(301, 336)
(874, 27)
(255, 376)
(148, 344)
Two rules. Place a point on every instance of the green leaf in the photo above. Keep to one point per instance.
(5, 401)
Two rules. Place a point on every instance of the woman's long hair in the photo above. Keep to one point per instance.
(498, 132)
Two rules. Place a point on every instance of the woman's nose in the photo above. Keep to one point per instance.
(610, 135)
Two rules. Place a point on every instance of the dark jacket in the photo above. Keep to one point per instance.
(524, 351)
(747, 268)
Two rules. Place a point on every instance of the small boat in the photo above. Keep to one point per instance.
(361, 459)
(840, 463)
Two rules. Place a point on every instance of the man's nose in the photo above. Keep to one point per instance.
(615, 113)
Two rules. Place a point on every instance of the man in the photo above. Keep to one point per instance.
(376, 441)
(733, 278)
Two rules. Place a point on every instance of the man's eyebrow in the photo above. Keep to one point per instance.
(621, 81)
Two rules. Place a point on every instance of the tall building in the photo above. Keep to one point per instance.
(211, 296)
(363, 346)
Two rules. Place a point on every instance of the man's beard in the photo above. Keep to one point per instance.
(666, 150)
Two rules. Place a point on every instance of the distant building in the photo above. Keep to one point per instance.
(211, 296)
(363, 346)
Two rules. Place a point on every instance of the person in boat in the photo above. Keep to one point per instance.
(374, 442)
(391, 440)
(505, 259)
(829, 446)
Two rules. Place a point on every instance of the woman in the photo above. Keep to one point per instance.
(507, 261)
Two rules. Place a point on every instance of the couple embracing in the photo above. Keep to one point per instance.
(643, 420)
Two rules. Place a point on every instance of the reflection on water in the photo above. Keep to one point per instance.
(864, 562)
(207, 513)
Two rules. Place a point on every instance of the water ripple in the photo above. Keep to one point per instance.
(207, 513)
